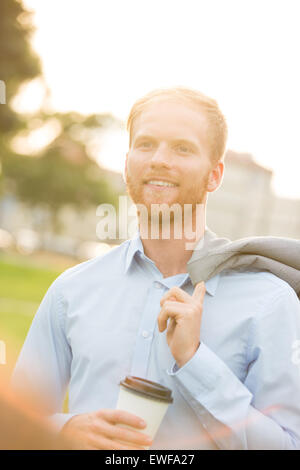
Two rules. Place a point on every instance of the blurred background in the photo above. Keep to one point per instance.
(70, 71)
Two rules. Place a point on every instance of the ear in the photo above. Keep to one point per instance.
(125, 170)
(215, 177)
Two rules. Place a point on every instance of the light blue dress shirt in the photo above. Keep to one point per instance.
(98, 323)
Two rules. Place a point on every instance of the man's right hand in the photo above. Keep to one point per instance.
(101, 430)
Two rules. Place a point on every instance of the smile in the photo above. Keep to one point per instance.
(162, 183)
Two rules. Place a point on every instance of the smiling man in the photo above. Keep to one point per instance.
(224, 348)
(170, 162)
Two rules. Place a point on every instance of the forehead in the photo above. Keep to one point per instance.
(168, 119)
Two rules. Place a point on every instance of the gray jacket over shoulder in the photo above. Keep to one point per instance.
(280, 256)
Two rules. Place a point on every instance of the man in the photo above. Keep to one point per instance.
(224, 348)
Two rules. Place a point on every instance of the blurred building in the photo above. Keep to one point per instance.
(244, 205)
(285, 218)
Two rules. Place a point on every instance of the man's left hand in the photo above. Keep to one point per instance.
(185, 313)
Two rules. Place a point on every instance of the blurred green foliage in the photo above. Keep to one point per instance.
(18, 62)
(23, 284)
(22, 287)
(63, 172)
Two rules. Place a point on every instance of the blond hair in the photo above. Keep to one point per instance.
(217, 126)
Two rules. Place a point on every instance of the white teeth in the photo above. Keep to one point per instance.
(161, 183)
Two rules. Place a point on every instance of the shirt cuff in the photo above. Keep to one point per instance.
(204, 374)
(175, 367)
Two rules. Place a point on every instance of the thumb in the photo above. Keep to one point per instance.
(199, 292)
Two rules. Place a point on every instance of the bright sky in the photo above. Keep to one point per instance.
(101, 55)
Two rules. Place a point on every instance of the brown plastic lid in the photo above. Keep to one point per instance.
(147, 387)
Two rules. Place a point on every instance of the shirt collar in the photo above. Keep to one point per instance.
(212, 284)
(136, 245)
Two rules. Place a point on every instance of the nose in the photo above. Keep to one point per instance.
(161, 157)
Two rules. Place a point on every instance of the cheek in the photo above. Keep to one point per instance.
(194, 177)
(135, 167)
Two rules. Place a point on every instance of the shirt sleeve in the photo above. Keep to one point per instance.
(263, 412)
(42, 370)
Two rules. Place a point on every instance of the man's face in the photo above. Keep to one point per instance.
(168, 145)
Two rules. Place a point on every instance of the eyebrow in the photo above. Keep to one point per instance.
(174, 141)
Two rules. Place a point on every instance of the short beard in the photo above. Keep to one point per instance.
(136, 194)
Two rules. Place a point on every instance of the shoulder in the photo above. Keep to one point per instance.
(261, 288)
(96, 269)
(266, 304)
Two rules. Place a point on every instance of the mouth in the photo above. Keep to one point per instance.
(161, 184)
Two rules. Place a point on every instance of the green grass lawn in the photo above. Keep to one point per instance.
(23, 284)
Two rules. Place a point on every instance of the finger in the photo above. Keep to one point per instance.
(176, 293)
(104, 443)
(171, 327)
(170, 310)
(122, 417)
(199, 292)
(126, 435)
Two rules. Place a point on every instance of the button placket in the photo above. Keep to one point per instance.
(142, 350)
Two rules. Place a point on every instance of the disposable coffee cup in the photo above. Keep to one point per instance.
(146, 399)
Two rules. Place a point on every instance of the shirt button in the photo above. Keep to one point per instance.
(157, 285)
(145, 334)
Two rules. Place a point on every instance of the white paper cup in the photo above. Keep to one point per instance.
(146, 399)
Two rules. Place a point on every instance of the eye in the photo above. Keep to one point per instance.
(183, 148)
(145, 144)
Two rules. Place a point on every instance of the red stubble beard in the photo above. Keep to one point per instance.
(194, 194)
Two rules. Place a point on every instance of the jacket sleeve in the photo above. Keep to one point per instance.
(263, 412)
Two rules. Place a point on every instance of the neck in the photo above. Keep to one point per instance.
(171, 255)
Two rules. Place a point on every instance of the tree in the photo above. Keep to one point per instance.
(63, 172)
(18, 62)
